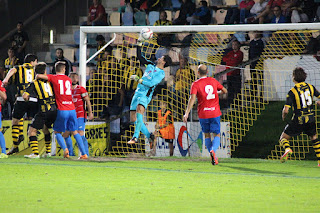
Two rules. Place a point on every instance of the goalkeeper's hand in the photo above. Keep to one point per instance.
(140, 40)
(136, 78)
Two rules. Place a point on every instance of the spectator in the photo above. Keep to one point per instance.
(115, 97)
(164, 127)
(163, 39)
(184, 77)
(237, 15)
(131, 85)
(256, 48)
(201, 16)
(60, 57)
(9, 63)
(314, 44)
(298, 16)
(19, 41)
(245, 7)
(267, 13)
(187, 9)
(162, 19)
(233, 59)
(97, 15)
(257, 8)
(278, 17)
(100, 57)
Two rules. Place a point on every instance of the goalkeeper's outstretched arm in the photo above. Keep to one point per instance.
(142, 58)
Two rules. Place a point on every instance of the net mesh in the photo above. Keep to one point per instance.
(264, 79)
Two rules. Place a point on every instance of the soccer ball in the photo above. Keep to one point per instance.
(146, 33)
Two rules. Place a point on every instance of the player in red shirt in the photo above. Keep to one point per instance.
(205, 89)
(66, 117)
(3, 98)
(80, 98)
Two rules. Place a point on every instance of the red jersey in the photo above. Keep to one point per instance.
(95, 11)
(206, 89)
(62, 87)
(2, 89)
(78, 94)
(233, 59)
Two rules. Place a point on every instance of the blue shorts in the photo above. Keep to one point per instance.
(66, 121)
(139, 99)
(81, 124)
(210, 125)
(0, 120)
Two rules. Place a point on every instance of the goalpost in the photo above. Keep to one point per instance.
(269, 81)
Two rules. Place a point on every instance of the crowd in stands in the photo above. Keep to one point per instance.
(189, 13)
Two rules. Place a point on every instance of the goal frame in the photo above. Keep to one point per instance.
(84, 30)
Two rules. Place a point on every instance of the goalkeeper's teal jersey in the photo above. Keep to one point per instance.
(151, 78)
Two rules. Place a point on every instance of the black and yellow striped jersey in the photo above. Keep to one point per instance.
(100, 55)
(44, 93)
(23, 77)
(300, 97)
(8, 64)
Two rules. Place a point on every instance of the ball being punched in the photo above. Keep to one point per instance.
(146, 33)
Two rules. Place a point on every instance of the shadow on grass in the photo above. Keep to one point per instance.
(259, 171)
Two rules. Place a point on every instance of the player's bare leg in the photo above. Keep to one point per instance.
(284, 142)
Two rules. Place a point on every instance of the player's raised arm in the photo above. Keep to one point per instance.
(223, 91)
(142, 58)
(8, 76)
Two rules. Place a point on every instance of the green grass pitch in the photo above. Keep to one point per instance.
(158, 185)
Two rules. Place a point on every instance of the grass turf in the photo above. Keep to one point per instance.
(158, 185)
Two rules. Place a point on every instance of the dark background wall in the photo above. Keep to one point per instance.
(64, 12)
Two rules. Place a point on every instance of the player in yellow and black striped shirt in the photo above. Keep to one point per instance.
(300, 98)
(47, 111)
(24, 75)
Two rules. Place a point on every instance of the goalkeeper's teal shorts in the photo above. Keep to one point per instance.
(139, 99)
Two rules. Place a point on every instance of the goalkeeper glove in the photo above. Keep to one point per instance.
(136, 78)
(140, 40)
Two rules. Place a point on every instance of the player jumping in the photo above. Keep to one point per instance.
(153, 75)
(205, 89)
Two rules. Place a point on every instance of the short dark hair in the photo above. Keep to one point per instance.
(204, 3)
(29, 58)
(237, 41)
(73, 73)
(203, 71)
(59, 65)
(100, 38)
(168, 61)
(299, 75)
(11, 48)
(40, 68)
(20, 22)
(60, 50)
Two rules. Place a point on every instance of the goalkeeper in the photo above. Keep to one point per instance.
(153, 75)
